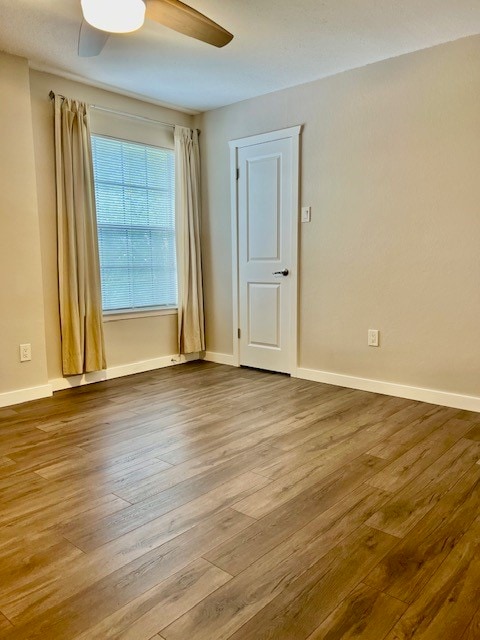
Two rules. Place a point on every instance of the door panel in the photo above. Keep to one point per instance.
(265, 211)
(263, 315)
(263, 208)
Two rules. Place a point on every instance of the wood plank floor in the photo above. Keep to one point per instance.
(204, 502)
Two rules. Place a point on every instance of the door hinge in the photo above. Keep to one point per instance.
(239, 333)
(238, 174)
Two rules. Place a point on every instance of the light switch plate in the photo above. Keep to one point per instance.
(306, 214)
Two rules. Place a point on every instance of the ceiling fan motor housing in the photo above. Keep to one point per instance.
(114, 16)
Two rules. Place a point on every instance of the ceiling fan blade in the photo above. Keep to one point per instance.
(180, 17)
(90, 40)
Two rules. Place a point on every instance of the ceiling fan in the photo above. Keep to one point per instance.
(103, 17)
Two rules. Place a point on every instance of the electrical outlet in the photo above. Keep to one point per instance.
(373, 335)
(25, 352)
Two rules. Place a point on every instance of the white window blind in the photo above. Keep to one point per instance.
(135, 198)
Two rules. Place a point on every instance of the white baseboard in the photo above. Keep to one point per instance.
(58, 384)
(219, 358)
(433, 396)
(24, 395)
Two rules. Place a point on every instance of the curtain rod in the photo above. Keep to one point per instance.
(121, 113)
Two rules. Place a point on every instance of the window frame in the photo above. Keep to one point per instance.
(112, 315)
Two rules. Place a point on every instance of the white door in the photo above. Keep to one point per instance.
(267, 191)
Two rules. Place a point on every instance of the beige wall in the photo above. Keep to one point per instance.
(390, 166)
(21, 299)
(390, 161)
(127, 341)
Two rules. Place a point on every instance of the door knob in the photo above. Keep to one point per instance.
(283, 272)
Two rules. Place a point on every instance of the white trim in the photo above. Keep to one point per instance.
(25, 395)
(280, 134)
(113, 316)
(234, 218)
(295, 219)
(120, 371)
(220, 358)
(433, 396)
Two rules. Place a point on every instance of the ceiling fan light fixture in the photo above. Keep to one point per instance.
(114, 16)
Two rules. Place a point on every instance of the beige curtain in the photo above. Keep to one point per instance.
(191, 333)
(78, 262)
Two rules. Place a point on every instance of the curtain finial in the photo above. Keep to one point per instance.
(52, 95)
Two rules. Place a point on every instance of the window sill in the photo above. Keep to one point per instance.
(113, 316)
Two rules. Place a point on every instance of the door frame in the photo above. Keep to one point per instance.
(294, 134)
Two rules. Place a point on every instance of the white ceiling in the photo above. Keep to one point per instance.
(277, 44)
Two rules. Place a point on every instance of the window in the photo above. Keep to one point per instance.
(135, 198)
